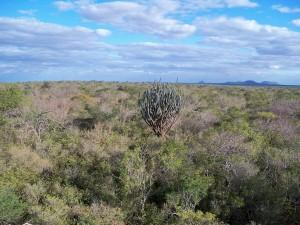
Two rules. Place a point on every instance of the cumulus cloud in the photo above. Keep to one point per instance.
(231, 48)
(31, 32)
(63, 5)
(152, 17)
(103, 32)
(134, 16)
(264, 45)
(275, 67)
(265, 39)
(285, 9)
(241, 3)
(27, 12)
(296, 22)
(29, 45)
(211, 4)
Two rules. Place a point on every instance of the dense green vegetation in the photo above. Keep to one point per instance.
(80, 154)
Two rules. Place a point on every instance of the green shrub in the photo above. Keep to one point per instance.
(12, 208)
(10, 98)
(54, 212)
(190, 217)
(160, 106)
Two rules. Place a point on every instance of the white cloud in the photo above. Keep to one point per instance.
(204, 4)
(33, 33)
(275, 67)
(36, 44)
(103, 32)
(194, 5)
(150, 17)
(232, 48)
(296, 22)
(28, 12)
(241, 3)
(265, 47)
(63, 5)
(265, 39)
(285, 9)
(137, 17)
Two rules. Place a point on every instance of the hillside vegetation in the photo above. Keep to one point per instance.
(80, 153)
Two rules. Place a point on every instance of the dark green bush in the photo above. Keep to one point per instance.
(12, 209)
(10, 98)
(160, 106)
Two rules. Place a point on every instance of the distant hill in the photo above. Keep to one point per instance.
(252, 83)
(246, 83)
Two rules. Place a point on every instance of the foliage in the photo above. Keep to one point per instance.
(197, 218)
(9, 98)
(11, 207)
(79, 153)
(160, 106)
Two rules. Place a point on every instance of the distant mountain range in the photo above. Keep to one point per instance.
(246, 83)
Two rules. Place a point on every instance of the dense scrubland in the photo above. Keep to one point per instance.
(80, 153)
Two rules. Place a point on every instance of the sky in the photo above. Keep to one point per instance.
(147, 40)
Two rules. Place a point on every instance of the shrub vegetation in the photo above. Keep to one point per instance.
(81, 153)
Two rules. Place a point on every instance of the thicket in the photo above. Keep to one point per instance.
(80, 153)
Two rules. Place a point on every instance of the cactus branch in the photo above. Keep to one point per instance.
(160, 106)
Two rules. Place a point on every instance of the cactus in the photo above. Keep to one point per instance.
(160, 106)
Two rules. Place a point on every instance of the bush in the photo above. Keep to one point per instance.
(160, 106)
(12, 208)
(197, 218)
(10, 98)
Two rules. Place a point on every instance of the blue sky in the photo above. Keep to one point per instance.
(146, 40)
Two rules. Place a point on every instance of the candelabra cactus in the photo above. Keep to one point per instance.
(160, 106)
